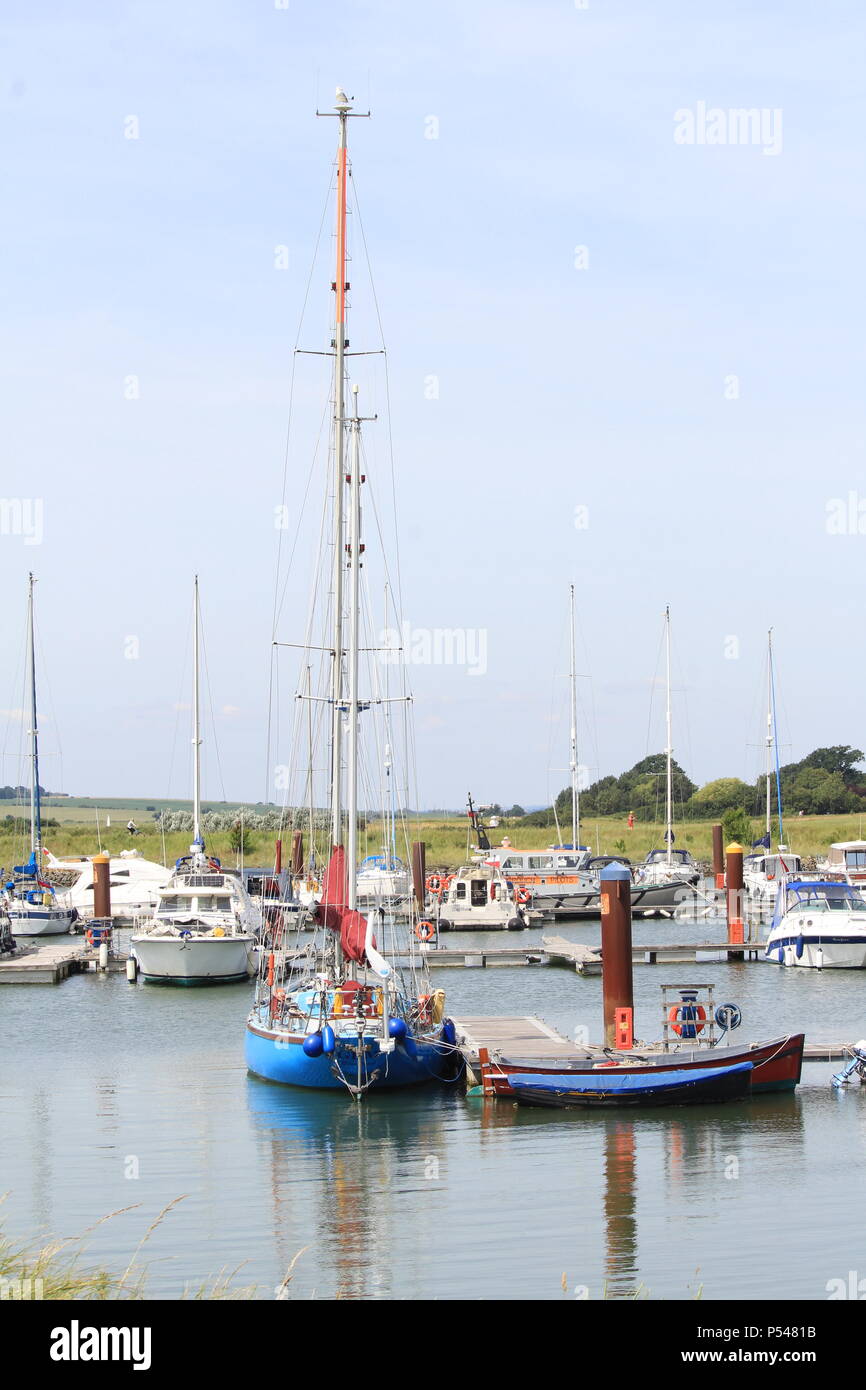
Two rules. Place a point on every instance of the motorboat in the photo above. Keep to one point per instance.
(818, 923)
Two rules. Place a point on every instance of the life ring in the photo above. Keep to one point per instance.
(434, 883)
(447, 882)
(697, 1022)
(425, 931)
(522, 895)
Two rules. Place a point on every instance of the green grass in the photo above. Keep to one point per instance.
(445, 837)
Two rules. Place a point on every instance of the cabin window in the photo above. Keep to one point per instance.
(460, 890)
(856, 858)
(541, 861)
(479, 892)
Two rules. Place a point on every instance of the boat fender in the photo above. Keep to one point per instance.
(313, 1045)
(437, 1005)
(219, 931)
(397, 1029)
(445, 926)
(185, 935)
(781, 955)
(449, 1032)
(515, 924)
(425, 931)
(800, 944)
(728, 1016)
(328, 1039)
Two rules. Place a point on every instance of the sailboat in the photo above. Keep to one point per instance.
(30, 899)
(205, 926)
(762, 871)
(353, 1019)
(668, 866)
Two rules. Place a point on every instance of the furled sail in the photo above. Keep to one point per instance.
(350, 925)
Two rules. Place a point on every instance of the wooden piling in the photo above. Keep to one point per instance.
(297, 853)
(734, 892)
(719, 856)
(617, 986)
(419, 872)
(278, 857)
(101, 886)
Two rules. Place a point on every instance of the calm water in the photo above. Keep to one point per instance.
(428, 1194)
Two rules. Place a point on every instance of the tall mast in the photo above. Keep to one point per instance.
(343, 107)
(575, 797)
(354, 628)
(769, 729)
(196, 724)
(772, 685)
(669, 750)
(35, 807)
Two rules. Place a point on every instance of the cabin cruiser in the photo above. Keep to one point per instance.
(818, 923)
(382, 878)
(205, 928)
(763, 872)
(134, 883)
(544, 873)
(480, 898)
(32, 906)
(849, 857)
(668, 866)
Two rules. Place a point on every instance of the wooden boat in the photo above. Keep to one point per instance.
(776, 1064)
(615, 1087)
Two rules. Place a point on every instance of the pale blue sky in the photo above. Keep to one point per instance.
(558, 387)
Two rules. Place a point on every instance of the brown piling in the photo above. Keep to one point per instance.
(297, 853)
(278, 857)
(419, 875)
(734, 882)
(101, 886)
(719, 856)
(616, 966)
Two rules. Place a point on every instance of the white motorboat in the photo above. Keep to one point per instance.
(30, 899)
(480, 898)
(205, 928)
(134, 883)
(762, 874)
(818, 923)
(847, 857)
(557, 872)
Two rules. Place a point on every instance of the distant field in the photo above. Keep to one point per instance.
(444, 836)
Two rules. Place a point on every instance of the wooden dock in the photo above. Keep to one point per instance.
(46, 964)
(528, 1036)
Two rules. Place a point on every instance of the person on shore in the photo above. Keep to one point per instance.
(132, 827)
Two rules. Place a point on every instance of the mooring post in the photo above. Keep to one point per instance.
(719, 856)
(734, 882)
(616, 969)
(278, 857)
(297, 853)
(419, 874)
(101, 886)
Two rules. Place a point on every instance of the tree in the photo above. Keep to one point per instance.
(239, 838)
(737, 827)
(516, 810)
(715, 797)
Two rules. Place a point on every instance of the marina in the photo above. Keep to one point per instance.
(433, 864)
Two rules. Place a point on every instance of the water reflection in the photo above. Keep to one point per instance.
(353, 1162)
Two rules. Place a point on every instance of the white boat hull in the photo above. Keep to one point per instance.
(41, 921)
(192, 960)
(849, 954)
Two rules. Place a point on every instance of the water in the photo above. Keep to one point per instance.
(113, 1095)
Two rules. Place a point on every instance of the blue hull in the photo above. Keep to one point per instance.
(288, 1064)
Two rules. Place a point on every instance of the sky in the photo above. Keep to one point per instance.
(621, 355)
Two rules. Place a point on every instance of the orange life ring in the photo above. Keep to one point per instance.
(698, 1022)
(522, 894)
(425, 931)
(433, 884)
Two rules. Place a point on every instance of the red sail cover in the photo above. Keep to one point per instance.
(334, 912)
